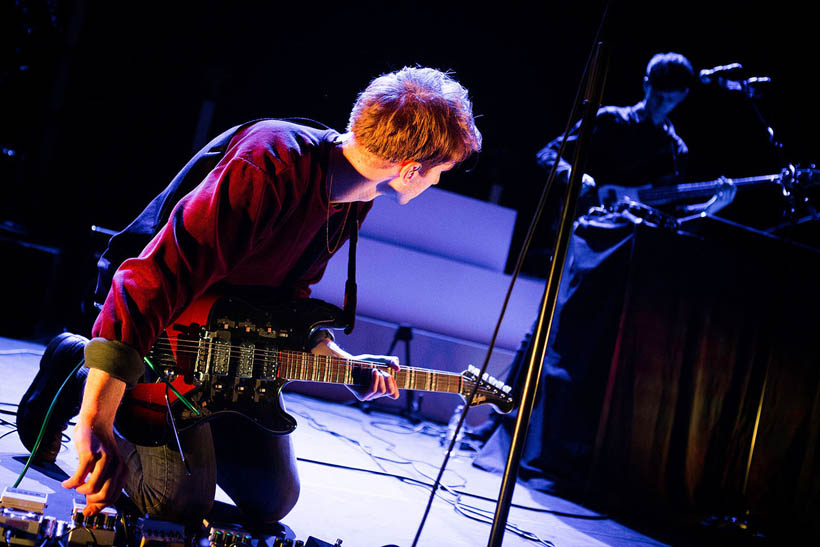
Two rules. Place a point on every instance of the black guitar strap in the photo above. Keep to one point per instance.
(318, 246)
(350, 284)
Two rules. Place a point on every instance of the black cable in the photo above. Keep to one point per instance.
(376, 459)
(321, 427)
(460, 507)
(405, 478)
(6, 434)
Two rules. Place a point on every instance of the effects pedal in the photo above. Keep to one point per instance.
(222, 535)
(22, 521)
(24, 500)
(315, 542)
(160, 533)
(97, 530)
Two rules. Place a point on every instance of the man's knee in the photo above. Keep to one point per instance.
(275, 508)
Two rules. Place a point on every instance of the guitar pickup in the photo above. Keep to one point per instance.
(244, 366)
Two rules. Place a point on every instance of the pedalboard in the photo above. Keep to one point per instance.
(23, 523)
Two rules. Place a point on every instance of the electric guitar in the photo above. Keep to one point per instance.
(224, 355)
(610, 194)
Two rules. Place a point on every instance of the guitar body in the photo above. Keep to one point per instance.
(223, 355)
(610, 194)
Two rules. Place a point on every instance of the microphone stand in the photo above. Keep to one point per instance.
(412, 409)
(592, 101)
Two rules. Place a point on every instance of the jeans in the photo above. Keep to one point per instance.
(257, 470)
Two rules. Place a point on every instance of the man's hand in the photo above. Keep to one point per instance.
(725, 194)
(101, 472)
(382, 382)
(587, 184)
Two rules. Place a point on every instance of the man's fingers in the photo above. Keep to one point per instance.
(84, 467)
(93, 508)
(98, 476)
(377, 385)
(108, 494)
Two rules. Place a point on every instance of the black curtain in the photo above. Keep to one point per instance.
(664, 348)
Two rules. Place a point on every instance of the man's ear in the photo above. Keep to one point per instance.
(408, 170)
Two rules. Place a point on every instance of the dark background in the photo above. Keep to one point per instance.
(99, 101)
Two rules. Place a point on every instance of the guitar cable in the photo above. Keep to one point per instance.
(45, 424)
(184, 400)
(176, 433)
(50, 410)
(168, 384)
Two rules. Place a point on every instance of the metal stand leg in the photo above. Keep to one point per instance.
(412, 408)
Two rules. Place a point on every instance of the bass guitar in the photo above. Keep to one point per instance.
(225, 356)
(654, 196)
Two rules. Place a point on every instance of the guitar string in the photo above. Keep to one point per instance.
(234, 351)
(673, 191)
(191, 347)
(289, 358)
(430, 379)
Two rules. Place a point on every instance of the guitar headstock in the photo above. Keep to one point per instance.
(489, 391)
(796, 177)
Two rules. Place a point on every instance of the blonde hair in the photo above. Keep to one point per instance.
(415, 114)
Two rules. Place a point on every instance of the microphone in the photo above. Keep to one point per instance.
(753, 87)
(728, 77)
(708, 75)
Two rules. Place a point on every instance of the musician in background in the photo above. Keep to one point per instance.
(637, 145)
(270, 202)
(630, 146)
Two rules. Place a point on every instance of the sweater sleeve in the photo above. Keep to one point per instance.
(209, 231)
(603, 133)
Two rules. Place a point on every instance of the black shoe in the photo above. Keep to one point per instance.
(61, 356)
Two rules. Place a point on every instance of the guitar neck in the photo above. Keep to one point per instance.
(272, 364)
(694, 190)
(296, 365)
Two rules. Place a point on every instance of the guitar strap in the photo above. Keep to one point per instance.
(318, 246)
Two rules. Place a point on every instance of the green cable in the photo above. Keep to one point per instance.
(54, 401)
(45, 423)
(179, 395)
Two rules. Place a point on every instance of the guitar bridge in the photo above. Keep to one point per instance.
(213, 354)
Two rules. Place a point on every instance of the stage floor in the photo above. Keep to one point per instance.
(351, 503)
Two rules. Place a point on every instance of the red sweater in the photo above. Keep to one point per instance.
(247, 223)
